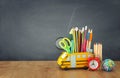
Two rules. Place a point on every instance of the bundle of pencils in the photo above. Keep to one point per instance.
(82, 39)
(98, 50)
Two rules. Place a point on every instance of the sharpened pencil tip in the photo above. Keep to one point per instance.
(79, 30)
(82, 29)
(71, 31)
(91, 31)
(76, 28)
(85, 27)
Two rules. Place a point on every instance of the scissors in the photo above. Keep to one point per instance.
(65, 44)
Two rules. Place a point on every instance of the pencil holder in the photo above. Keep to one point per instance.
(78, 52)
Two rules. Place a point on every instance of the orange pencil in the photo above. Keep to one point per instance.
(91, 35)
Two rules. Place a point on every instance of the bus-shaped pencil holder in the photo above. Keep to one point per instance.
(78, 52)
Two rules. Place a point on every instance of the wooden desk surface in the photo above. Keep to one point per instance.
(49, 69)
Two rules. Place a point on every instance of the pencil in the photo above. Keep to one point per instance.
(76, 36)
(82, 32)
(79, 40)
(87, 37)
(85, 33)
(95, 49)
(72, 31)
(101, 52)
(90, 39)
(98, 50)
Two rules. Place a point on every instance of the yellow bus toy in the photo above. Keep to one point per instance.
(78, 52)
(75, 60)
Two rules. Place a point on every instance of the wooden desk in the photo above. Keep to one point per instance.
(49, 69)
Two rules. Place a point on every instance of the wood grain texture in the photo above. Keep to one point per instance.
(50, 69)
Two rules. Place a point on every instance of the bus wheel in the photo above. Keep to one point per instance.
(86, 68)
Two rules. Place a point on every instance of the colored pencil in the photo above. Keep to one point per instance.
(101, 52)
(84, 44)
(82, 32)
(95, 49)
(87, 38)
(72, 31)
(79, 40)
(98, 51)
(76, 36)
(90, 39)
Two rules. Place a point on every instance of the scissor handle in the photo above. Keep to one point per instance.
(62, 44)
(67, 41)
(65, 44)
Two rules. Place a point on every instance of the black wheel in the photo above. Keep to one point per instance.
(85, 68)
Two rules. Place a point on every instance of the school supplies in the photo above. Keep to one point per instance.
(73, 32)
(85, 41)
(65, 44)
(87, 38)
(98, 50)
(82, 44)
(82, 39)
(78, 50)
(90, 39)
(76, 38)
(79, 40)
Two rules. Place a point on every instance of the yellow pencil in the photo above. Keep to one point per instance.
(82, 42)
(76, 36)
(72, 31)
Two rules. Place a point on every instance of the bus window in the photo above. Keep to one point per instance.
(68, 58)
(78, 56)
(83, 56)
(64, 55)
(89, 55)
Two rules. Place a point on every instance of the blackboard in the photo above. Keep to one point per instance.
(29, 28)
